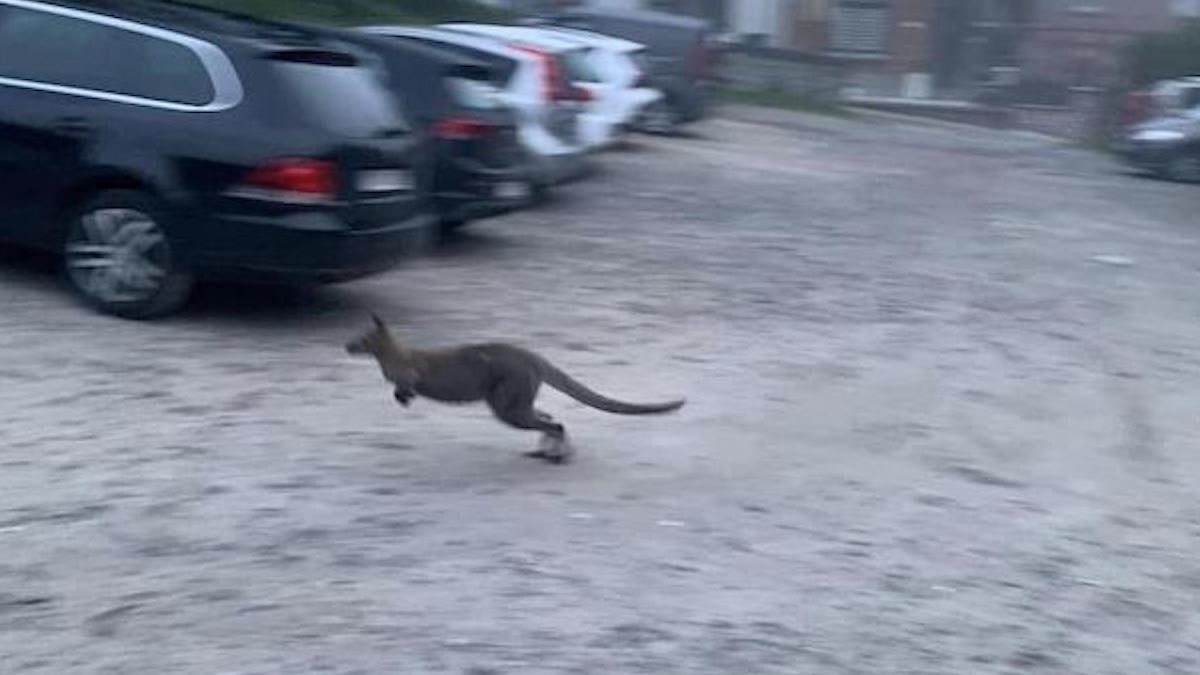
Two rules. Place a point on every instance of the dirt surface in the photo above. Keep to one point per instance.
(943, 419)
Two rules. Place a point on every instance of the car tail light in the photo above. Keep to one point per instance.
(552, 87)
(700, 59)
(582, 94)
(461, 129)
(293, 179)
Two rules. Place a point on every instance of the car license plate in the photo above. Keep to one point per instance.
(385, 181)
(513, 191)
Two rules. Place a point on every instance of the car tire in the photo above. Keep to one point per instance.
(660, 118)
(540, 194)
(450, 226)
(1184, 168)
(119, 258)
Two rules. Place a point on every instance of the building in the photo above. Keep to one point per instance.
(957, 47)
(941, 47)
(1080, 42)
(891, 47)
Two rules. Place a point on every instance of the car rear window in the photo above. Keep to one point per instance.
(502, 68)
(339, 94)
(576, 66)
(48, 48)
(473, 88)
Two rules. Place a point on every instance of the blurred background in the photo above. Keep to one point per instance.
(924, 270)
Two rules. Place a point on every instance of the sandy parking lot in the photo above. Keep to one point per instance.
(943, 394)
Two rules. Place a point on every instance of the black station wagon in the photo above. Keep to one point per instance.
(156, 143)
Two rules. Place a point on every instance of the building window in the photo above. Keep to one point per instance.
(859, 26)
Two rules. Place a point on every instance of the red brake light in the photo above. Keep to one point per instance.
(584, 95)
(461, 129)
(551, 76)
(700, 59)
(296, 178)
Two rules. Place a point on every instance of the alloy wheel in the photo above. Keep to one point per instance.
(118, 256)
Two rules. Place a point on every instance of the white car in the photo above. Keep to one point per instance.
(532, 86)
(626, 96)
(611, 103)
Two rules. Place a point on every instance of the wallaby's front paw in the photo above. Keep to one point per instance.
(403, 397)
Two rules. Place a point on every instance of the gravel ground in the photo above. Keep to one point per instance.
(942, 419)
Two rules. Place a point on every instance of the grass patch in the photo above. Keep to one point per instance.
(783, 100)
(351, 12)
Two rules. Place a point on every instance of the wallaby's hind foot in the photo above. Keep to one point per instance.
(556, 449)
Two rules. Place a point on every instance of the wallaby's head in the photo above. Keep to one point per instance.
(376, 341)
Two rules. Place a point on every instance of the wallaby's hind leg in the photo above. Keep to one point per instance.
(552, 447)
(512, 403)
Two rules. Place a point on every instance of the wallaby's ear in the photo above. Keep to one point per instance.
(378, 322)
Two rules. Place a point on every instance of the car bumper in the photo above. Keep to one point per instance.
(1147, 156)
(612, 114)
(309, 247)
(559, 168)
(474, 191)
(692, 100)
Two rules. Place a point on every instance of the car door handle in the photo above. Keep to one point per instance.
(77, 127)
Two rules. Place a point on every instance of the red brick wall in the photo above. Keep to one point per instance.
(1081, 47)
(911, 34)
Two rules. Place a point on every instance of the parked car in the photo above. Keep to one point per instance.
(601, 121)
(1176, 95)
(153, 144)
(681, 54)
(1167, 146)
(619, 91)
(531, 84)
(477, 166)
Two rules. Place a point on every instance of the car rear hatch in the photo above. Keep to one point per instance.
(369, 154)
(481, 128)
(560, 71)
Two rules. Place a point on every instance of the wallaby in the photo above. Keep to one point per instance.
(506, 377)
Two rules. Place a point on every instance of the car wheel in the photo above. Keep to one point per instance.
(449, 226)
(1184, 168)
(119, 257)
(540, 193)
(660, 118)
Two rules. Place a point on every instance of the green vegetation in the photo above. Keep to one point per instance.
(363, 11)
(1164, 56)
(784, 100)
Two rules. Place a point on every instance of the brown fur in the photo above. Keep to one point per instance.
(506, 377)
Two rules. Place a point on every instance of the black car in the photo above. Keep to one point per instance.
(155, 143)
(478, 167)
(680, 56)
(1167, 146)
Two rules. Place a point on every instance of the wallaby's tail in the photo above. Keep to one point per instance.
(568, 385)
